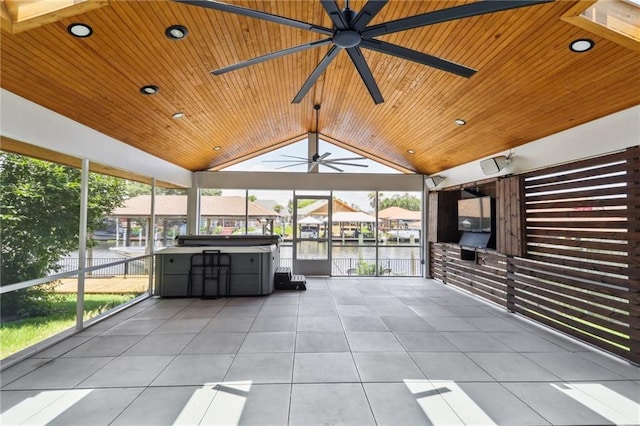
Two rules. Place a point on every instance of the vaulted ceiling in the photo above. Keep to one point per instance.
(528, 83)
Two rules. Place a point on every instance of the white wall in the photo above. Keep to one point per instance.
(309, 181)
(602, 136)
(31, 123)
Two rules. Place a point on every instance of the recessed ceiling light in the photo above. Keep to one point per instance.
(176, 32)
(80, 30)
(217, 148)
(149, 89)
(460, 122)
(581, 45)
(411, 151)
(177, 115)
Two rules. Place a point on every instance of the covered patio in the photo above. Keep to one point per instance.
(346, 351)
(532, 105)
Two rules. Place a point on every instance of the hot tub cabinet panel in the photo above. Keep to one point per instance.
(245, 271)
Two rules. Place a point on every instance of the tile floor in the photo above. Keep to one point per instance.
(346, 351)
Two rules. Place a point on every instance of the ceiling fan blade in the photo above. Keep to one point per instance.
(273, 55)
(230, 8)
(421, 58)
(334, 12)
(322, 157)
(289, 165)
(296, 157)
(449, 14)
(367, 13)
(344, 164)
(284, 161)
(365, 73)
(332, 167)
(324, 63)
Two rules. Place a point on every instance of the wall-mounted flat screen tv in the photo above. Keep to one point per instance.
(474, 214)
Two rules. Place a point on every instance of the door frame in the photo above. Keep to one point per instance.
(312, 267)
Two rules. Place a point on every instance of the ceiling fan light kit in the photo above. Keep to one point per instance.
(351, 32)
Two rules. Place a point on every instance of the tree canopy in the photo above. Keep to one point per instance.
(40, 213)
(406, 201)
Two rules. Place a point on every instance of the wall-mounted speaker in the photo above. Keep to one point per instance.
(432, 181)
(494, 164)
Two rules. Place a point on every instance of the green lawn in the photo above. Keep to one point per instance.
(17, 335)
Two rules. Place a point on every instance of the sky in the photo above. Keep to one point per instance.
(299, 149)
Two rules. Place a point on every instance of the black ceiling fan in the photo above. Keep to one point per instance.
(351, 31)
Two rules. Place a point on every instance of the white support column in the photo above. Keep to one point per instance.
(151, 240)
(193, 207)
(312, 138)
(82, 243)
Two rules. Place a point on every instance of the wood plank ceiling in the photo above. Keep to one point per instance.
(528, 84)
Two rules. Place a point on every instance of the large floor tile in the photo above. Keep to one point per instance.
(77, 406)
(135, 326)
(329, 404)
(554, 402)
(306, 309)
(394, 404)
(328, 323)
(511, 367)
(475, 342)
(261, 368)
(20, 369)
(160, 344)
(356, 310)
(104, 346)
(570, 366)
(127, 371)
(324, 368)
(418, 341)
(365, 341)
(182, 325)
(269, 342)
(450, 324)
(432, 311)
(229, 325)
(61, 348)
(18, 406)
(168, 406)
(61, 373)
(619, 366)
(450, 366)
(486, 403)
(396, 323)
(194, 370)
(318, 341)
(523, 341)
(386, 367)
(274, 323)
(278, 311)
(246, 404)
(395, 311)
(360, 323)
(239, 311)
(215, 343)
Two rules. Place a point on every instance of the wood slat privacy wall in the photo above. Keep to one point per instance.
(486, 276)
(580, 271)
